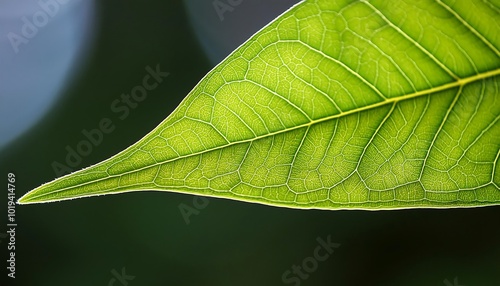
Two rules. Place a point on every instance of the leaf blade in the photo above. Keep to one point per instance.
(245, 130)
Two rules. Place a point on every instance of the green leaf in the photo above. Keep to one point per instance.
(334, 105)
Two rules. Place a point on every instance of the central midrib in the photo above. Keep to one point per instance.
(458, 83)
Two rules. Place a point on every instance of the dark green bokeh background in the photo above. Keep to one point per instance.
(80, 242)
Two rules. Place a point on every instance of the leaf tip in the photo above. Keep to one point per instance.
(25, 199)
(34, 196)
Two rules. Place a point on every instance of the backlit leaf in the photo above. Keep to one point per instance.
(335, 104)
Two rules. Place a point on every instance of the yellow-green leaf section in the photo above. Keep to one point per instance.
(334, 105)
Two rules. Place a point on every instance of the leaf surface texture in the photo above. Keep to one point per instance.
(334, 105)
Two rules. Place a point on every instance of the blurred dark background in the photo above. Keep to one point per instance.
(87, 241)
